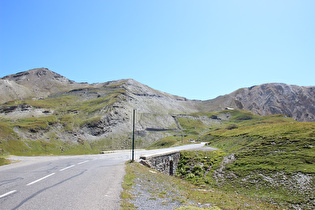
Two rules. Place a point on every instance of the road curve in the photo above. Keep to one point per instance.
(68, 182)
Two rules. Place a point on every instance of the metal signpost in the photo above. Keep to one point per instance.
(133, 135)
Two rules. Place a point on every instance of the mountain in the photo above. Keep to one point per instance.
(74, 112)
(39, 82)
(42, 112)
(42, 105)
(272, 98)
(10, 90)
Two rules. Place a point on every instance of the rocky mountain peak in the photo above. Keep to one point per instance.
(38, 76)
(294, 101)
(42, 82)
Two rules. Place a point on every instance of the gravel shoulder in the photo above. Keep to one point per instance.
(152, 190)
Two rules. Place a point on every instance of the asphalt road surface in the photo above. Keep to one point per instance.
(67, 182)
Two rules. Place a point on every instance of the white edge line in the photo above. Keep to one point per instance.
(8, 193)
(40, 179)
(66, 168)
(83, 162)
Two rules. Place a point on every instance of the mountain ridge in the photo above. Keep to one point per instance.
(265, 99)
(41, 82)
(293, 101)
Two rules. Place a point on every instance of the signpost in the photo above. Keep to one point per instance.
(133, 135)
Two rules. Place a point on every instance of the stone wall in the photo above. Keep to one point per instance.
(164, 162)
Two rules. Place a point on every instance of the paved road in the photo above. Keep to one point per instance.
(67, 182)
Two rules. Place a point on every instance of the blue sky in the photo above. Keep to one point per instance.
(196, 49)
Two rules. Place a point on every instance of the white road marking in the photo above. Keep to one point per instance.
(83, 162)
(8, 193)
(40, 179)
(66, 168)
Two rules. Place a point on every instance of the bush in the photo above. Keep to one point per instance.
(190, 176)
(231, 127)
(196, 168)
(206, 167)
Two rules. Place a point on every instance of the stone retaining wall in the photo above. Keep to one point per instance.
(164, 162)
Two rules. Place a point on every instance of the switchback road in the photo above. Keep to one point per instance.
(67, 182)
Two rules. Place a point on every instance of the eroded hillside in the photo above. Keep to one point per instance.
(97, 114)
(273, 98)
(42, 106)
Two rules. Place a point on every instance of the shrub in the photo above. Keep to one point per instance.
(231, 127)
(190, 176)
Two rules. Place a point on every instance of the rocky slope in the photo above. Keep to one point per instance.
(44, 104)
(10, 90)
(273, 98)
(88, 112)
(40, 82)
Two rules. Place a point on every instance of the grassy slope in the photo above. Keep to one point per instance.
(70, 113)
(275, 157)
(192, 130)
(271, 143)
(198, 167)
(189, 195)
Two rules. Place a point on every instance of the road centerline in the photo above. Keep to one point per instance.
(83, 162)
(66, 168)
(40, 179)
(8, 193)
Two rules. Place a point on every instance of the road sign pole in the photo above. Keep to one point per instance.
(133, 135)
